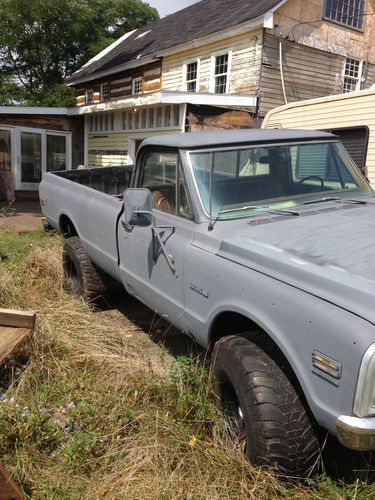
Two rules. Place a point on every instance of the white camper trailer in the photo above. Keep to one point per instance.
(351, 116)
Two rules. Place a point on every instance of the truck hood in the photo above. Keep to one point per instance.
(328, 252)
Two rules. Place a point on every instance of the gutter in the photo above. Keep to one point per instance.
(232, 101)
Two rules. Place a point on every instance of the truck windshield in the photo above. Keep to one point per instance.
(235, 182)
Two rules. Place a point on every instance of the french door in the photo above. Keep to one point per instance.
(39, 151)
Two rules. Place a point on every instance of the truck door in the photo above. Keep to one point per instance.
(151, 273)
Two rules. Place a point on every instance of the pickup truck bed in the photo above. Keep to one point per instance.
(109, 180)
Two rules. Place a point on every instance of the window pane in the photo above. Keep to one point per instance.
(56, 152)
(137, 85)
(159, 169)
(104, 91)
(349, 12)
(191, 86)
(221, 65)
(352, 75)
(221, 84)
(159, 175)
(221, 73)
(31, 146)
(191, 76)
(159, 117)
(5, 150)
(191, 71)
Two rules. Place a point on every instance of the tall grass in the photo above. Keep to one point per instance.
(86, 414)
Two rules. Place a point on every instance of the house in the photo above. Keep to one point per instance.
(218, 64)
(35, 140)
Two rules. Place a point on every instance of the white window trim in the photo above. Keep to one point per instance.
(184, 69)
(138, 79)
(360, 75)
(101, 91)
(214, 55)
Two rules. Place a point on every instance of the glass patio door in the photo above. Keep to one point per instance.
(31, 157)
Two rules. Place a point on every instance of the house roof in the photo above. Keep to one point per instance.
(201, 19)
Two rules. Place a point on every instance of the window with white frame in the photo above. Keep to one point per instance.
(104, 92)
(191, 75)
(221, 70)
(89, 96)
(348, 12)
(352, 75)
(137, 85)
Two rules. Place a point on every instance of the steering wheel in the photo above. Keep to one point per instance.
(313, 177)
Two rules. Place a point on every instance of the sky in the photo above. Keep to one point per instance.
(166, 7)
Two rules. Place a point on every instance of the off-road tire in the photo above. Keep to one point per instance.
(261, 406)
(81, 278)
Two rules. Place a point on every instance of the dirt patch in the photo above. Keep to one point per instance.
(21, 215)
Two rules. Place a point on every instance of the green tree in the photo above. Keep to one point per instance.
(44, 41)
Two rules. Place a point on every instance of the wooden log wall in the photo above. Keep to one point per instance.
(200, 118)
(120, 84)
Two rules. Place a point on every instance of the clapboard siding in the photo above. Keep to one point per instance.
(245, 69)
(106, 150)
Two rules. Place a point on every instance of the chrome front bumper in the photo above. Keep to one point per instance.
(356, 433)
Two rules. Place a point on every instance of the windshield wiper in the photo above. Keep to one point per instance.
(332, 198)
(282, 211)
(275, 211)
(352, 200)
(321, 200)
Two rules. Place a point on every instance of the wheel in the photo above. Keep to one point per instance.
(261, 406)
(313, 177)
(80, 275)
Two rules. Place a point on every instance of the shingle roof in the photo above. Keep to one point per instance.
(200, 19)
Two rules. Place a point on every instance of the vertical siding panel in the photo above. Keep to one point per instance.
(308, 73)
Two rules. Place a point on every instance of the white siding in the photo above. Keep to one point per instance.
(112, 149)
(245, 68)
(106, 150)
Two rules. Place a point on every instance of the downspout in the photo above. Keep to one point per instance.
(282, 71)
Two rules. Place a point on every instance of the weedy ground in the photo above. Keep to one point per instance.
(83, 414)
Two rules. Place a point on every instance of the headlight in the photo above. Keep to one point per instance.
(364, 402)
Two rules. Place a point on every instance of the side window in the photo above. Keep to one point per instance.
(161, 175)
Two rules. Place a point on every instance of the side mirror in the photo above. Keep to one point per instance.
(138, 207)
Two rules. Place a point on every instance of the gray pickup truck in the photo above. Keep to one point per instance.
(259, 244)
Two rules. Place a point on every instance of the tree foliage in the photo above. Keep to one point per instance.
(44, 41)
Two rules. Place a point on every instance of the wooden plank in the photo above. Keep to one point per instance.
(10, 338)
(9, 489)
(10, 317)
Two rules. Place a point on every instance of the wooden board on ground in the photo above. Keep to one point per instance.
(9, 490)
(14, 327)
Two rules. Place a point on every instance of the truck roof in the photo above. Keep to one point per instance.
(194, 140)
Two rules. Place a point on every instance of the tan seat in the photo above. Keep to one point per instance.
(160, 202)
